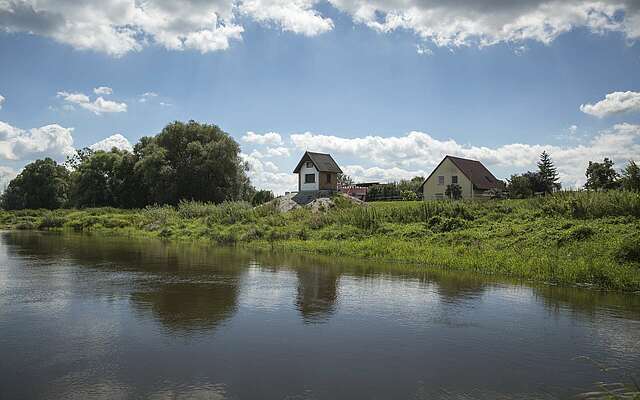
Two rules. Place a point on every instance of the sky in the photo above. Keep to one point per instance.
(388, 87)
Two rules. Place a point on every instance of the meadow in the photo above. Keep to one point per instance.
(570, 238)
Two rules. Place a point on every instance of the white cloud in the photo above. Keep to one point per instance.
(416, 153)
(6, 175)
(269, 138)
(48, 141)
(98, 106)
(1, 101)
(147, 96)
(423, 50)
(117, 27)
(267, 175)
(103, 90)
(117, 140)
(614, 103)
(573, 129)
(297, 16)
(488, 22)
(272, 152)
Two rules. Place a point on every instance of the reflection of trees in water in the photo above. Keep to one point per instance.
(317, 292)
(452, 289)
(189, 307)
(587, 302)
(186, 288)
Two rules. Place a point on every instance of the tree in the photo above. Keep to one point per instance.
(42, 184)
(525, 185)
(261, 197)
(548, 173)
(453, 191)
(191, 161)
(344, 180)
(630, 179)
(601, 176)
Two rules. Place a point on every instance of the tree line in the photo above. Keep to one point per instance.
(185, 161)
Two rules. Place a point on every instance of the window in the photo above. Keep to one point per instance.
(454, 180)
(440, 180)
(310, 178)
(328, 178)
(309, 164)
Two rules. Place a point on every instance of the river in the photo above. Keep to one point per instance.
(91, 317)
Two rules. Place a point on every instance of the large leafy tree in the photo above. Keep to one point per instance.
(192, 161)
(42, 184)
(548, 173)
(106, 179)
(601, 176)
(526, 185)
(630, 179)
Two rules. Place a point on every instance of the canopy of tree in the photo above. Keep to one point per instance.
(186, 161)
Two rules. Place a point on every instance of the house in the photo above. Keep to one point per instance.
(317, 172)
(474, 179)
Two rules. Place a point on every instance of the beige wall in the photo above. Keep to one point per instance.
(447, 169)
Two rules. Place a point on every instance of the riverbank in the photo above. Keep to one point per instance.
(569, 239)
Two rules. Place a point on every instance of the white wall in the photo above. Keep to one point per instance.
(308, 186)
(431, 189)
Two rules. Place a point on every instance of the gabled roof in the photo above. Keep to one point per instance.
(323, 162)
(474, 170)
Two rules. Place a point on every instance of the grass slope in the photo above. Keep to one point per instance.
(568, 238)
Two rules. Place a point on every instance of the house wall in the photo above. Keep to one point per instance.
(308, 186)
(431, 189)
(324, 185)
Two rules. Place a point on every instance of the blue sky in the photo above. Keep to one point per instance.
(387, 99)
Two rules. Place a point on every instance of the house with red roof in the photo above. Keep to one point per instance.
(474, 179)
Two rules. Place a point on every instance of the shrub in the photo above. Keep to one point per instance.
(51, 221)
(576, 234)
(195, 209)
(629, 250)
(229, 213)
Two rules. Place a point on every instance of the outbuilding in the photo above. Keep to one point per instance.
(317, 172)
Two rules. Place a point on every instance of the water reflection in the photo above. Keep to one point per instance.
(317, 292)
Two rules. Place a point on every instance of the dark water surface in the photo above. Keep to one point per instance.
(86, 317)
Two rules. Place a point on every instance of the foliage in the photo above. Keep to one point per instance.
(601, 176)
(408, 195)
(42, 184)
(261, 197)
(630, 178)
(548, 173)
(453, 191)
(394, 190)
(629, 250)
(345, 180)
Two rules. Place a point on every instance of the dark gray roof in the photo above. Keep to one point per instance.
(323, 162)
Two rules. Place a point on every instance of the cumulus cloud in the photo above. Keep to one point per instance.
(117, 140)
(117, 27)
(614, 103)
(48, 141)
(1, 101)
(487, 22)
(105, 90)
(269, 138)
(97, 106)
(272, 152)
(297, 16)
(416, 153)
(267, 175)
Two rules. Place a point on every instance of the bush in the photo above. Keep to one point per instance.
(629, 250)
(577, 234)
(229, 213)
(51, 221)
(195, 209)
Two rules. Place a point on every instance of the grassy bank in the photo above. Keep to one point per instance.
(569, 238)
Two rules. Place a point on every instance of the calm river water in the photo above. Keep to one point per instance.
(85, 317)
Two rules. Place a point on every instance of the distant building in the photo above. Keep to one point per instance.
(474, 179)
(317, 172)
